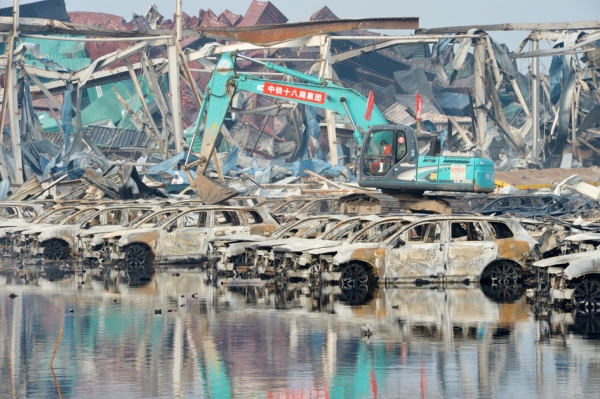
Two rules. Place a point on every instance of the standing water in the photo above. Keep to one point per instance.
(185, 334)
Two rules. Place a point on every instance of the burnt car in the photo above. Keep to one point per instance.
(524, 205)
(294, 258)
(59, 242)
(573, 280)
(239, 253)
(53, 216)
(185, 237)
(91, 242)
(16, 212)
(305, 206)
(450, 248)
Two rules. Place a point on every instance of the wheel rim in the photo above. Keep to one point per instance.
(586, 296)
(135, 258)
(355, 296)
(503, 293)
(54, 250)
(354, 276)
(504, 274)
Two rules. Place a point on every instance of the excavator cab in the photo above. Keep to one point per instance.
(387, 149)
(390, 160)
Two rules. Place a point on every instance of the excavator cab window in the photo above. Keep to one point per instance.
(379, 156)
(400, 141)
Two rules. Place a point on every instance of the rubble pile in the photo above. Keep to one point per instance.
(467, 104)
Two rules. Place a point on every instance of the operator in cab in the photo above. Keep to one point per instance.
(380, 167)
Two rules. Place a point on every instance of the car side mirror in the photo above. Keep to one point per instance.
(170, 228)
(400, 243)
(87, 225)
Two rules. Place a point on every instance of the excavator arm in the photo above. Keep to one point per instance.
(313, 91)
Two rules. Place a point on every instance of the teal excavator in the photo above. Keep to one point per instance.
(389, 159)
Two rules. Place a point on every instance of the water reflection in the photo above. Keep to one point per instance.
(213, 338)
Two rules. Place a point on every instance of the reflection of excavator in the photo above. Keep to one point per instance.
(389, 159)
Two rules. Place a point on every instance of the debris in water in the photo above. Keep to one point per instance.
(367, 331)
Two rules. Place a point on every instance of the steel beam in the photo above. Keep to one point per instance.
(175, 96)
(535, 98)
(520, 26)
(479, 92)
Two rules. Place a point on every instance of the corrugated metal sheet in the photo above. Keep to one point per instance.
(72, 64)
(187, 21)
(97, 91)
(117, 138)
(138, 22)
(209, 19)
(48, 123)
(234, 19)
(48, 9)
(108, 21)
(58, 48)
(382, 101)
(323, 14)
(408, 100)
(107, 106)
(107, 138)
(262, 13)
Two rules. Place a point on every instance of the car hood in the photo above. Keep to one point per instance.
(305, 245)
(18, 229)
(578, 264)
(12, 222)
(122, 233)
(235, 239)
(92, 231)
(47, 228)
(268, 243)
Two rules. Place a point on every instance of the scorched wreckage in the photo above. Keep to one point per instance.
(315, 150)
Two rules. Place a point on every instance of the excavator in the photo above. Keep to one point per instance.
(389, 159)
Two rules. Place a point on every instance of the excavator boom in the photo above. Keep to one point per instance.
(314, 91)
(389, 158)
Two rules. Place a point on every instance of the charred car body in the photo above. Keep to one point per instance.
(185, 237)
(435, 248)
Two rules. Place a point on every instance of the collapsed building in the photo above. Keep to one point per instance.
(97, 85)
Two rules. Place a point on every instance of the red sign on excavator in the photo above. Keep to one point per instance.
(295, 93)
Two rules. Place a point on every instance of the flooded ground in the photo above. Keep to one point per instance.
(184, 334)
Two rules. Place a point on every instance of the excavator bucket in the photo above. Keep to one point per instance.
(211, 192)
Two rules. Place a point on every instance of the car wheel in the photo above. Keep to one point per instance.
(354, 276)
(586, 296)
(137, 259)
(504, 273)
(55, 250)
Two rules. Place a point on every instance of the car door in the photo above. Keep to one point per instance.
(185, 238)
(227, 223)
(417, 252)
(470, 248)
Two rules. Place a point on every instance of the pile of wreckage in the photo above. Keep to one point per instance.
(508, 243)
(114, 99)
(99, 135)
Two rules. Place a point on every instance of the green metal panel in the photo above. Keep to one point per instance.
(73, 64)
(66, 49)
(97, 91)
(107, 106)
(48, 123)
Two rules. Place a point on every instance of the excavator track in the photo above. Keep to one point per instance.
(387, 203)
(369, 203)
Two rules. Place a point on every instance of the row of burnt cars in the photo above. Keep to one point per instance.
(307, 239)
